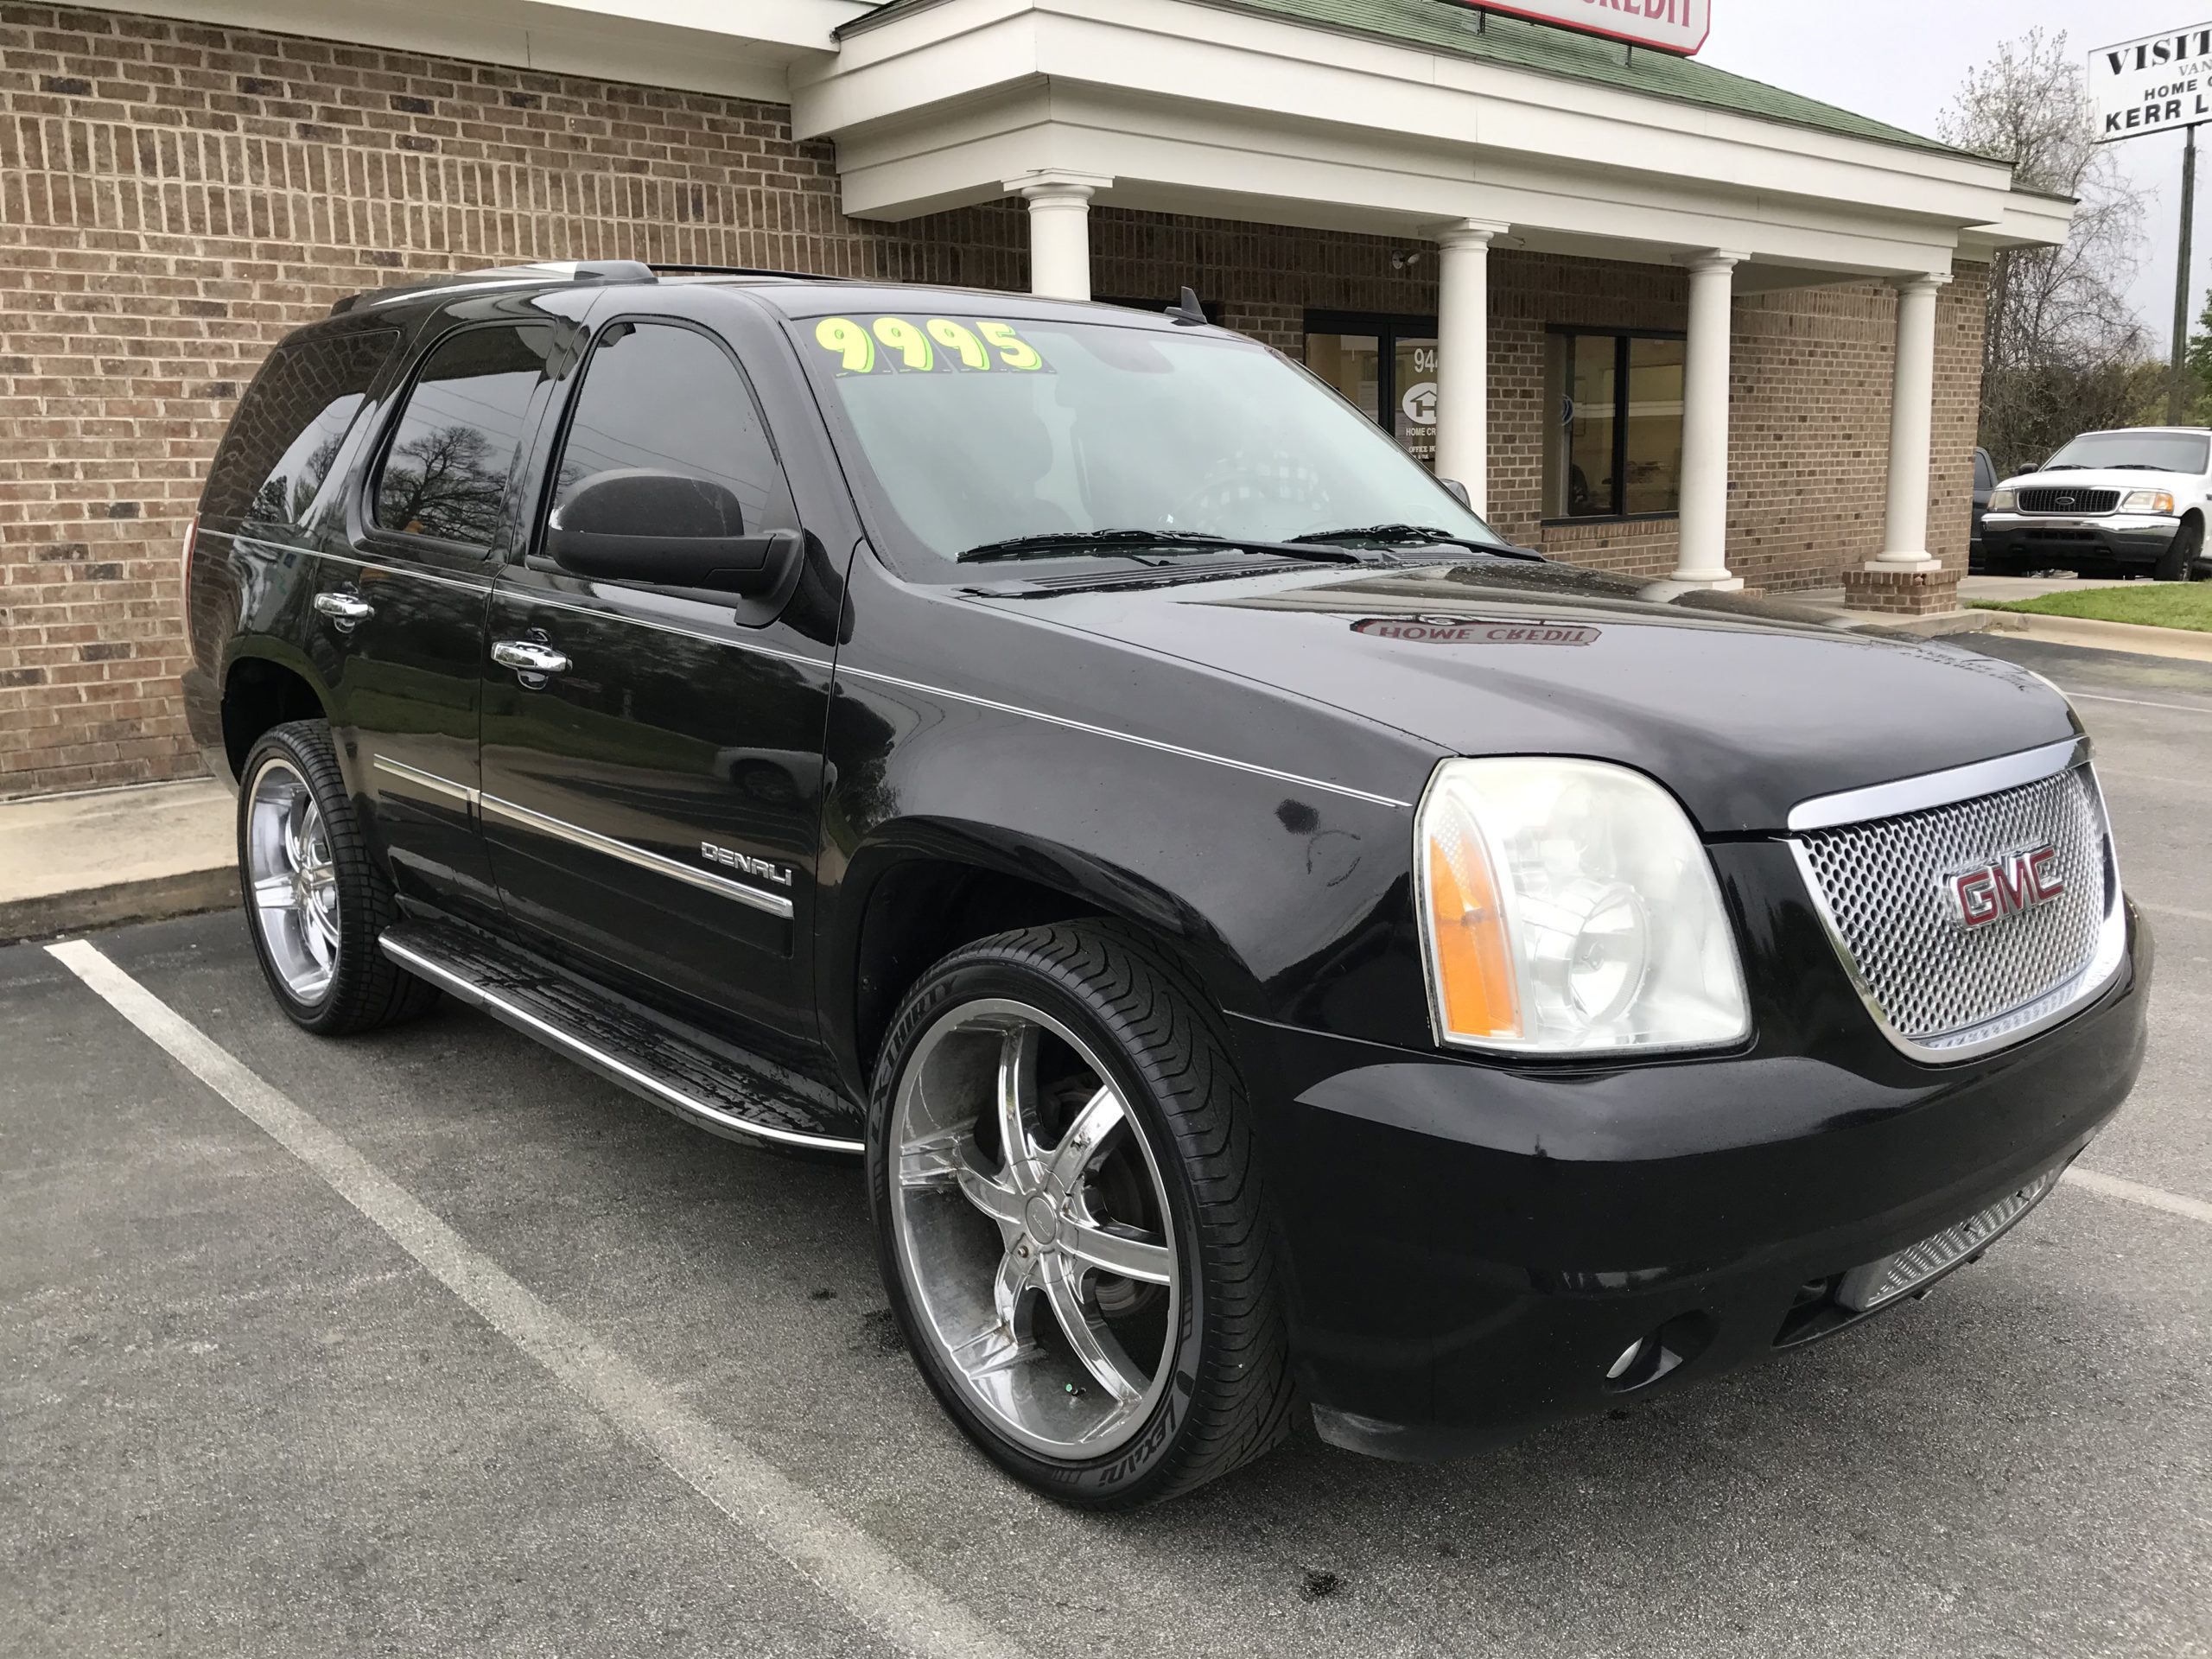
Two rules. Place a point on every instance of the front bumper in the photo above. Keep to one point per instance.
(1470, 1250)
(2124, 538)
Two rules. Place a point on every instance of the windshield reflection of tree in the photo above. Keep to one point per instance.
(446, 482)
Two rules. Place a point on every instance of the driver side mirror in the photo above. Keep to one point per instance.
(1459, 493)
(668, 530)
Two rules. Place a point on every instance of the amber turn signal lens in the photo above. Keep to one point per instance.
(1474, 966)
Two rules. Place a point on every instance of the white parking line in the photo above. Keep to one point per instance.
(846, 1563)
(2135, 1193)
(2138, 703)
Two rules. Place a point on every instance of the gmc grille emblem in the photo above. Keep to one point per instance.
(2012, 885)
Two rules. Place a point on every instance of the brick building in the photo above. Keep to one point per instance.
(1690, 292)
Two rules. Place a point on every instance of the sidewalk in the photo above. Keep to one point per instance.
(69, 862)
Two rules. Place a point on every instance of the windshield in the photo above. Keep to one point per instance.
(980, 432)
(2166, 452)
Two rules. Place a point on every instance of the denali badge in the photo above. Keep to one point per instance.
(2016, 883)
(779, 873)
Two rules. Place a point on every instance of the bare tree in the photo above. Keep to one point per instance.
(2065, 351)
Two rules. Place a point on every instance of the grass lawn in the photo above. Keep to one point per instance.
(2154, 605)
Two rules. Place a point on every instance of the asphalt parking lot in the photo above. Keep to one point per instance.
(557, 1374)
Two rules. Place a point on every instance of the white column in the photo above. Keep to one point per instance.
(1912, 420)
(1059, 230)
(1463, 356)
(1703, 561)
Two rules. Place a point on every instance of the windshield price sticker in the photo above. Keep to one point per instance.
(902, 346)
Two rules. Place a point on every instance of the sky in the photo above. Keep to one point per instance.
(1902, 61)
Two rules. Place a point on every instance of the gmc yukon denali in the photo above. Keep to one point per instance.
(1279, 950)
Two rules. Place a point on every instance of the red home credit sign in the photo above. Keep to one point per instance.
(1676, 26)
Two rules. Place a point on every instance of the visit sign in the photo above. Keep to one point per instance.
(2153, 84)
(1676, 26)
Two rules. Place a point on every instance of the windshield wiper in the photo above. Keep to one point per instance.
(1423, 535)
(2132, 466)
(1022, 547)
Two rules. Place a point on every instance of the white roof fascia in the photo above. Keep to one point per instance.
(2032, 219)
(1199, 59)
(1169, 160)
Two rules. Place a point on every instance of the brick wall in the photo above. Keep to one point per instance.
(174, 198)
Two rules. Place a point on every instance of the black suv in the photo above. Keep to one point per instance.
(1277, 947)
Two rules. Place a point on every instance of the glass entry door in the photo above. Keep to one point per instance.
(1387, 366)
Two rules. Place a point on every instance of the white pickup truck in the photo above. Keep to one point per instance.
(2110, 503)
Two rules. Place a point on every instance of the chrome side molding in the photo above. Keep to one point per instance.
(773, 904)
(422, 780)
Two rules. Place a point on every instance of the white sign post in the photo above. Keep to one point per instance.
(2154, 85)
(1675, 26)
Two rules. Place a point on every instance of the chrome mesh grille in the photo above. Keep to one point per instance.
(1883, 884)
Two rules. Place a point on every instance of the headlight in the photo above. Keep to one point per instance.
(1567, 907)
(2004, 500)
(2148, 501)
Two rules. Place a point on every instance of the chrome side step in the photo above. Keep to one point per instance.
(721, 1090)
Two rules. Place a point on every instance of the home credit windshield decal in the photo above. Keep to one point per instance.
(926, 345)
(1675, 26)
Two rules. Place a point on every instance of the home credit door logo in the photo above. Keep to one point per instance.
(1676, 26)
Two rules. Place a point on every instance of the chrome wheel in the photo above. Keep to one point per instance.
(1033, 1230)
(292, 879)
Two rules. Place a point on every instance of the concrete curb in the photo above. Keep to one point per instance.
(2177, 643)
(1930, 627)
(108, 856)
(157, 898)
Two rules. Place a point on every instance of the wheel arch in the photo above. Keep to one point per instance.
(921, 890)
(263, 690)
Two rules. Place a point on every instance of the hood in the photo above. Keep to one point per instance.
(2104, 478)
(1743, 706)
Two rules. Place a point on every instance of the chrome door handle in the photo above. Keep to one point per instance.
(346, 610)
(528, 657)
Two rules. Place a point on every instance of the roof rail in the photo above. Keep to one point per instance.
(743, 271)
(571, 270)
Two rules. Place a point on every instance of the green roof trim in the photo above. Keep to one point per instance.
(1447, 26)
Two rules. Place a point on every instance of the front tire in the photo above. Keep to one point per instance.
(316, 901)
(2178, 561)
(1070, 1219)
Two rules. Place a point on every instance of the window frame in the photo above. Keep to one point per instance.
(527, 550)
(1621, 338)
(371, 474)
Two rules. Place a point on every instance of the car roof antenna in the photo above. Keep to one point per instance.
(1187, 312)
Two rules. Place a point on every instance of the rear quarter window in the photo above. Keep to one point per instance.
(278, 455)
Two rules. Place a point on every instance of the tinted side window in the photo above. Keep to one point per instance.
(287, 430)
(669, 399)
(1985, 471)
(445, 470)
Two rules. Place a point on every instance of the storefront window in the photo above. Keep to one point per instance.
(1387, 366)
(1616, 451)
(1414, 415)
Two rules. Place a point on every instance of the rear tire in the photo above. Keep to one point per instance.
(316, 901)
(1100, 1389)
